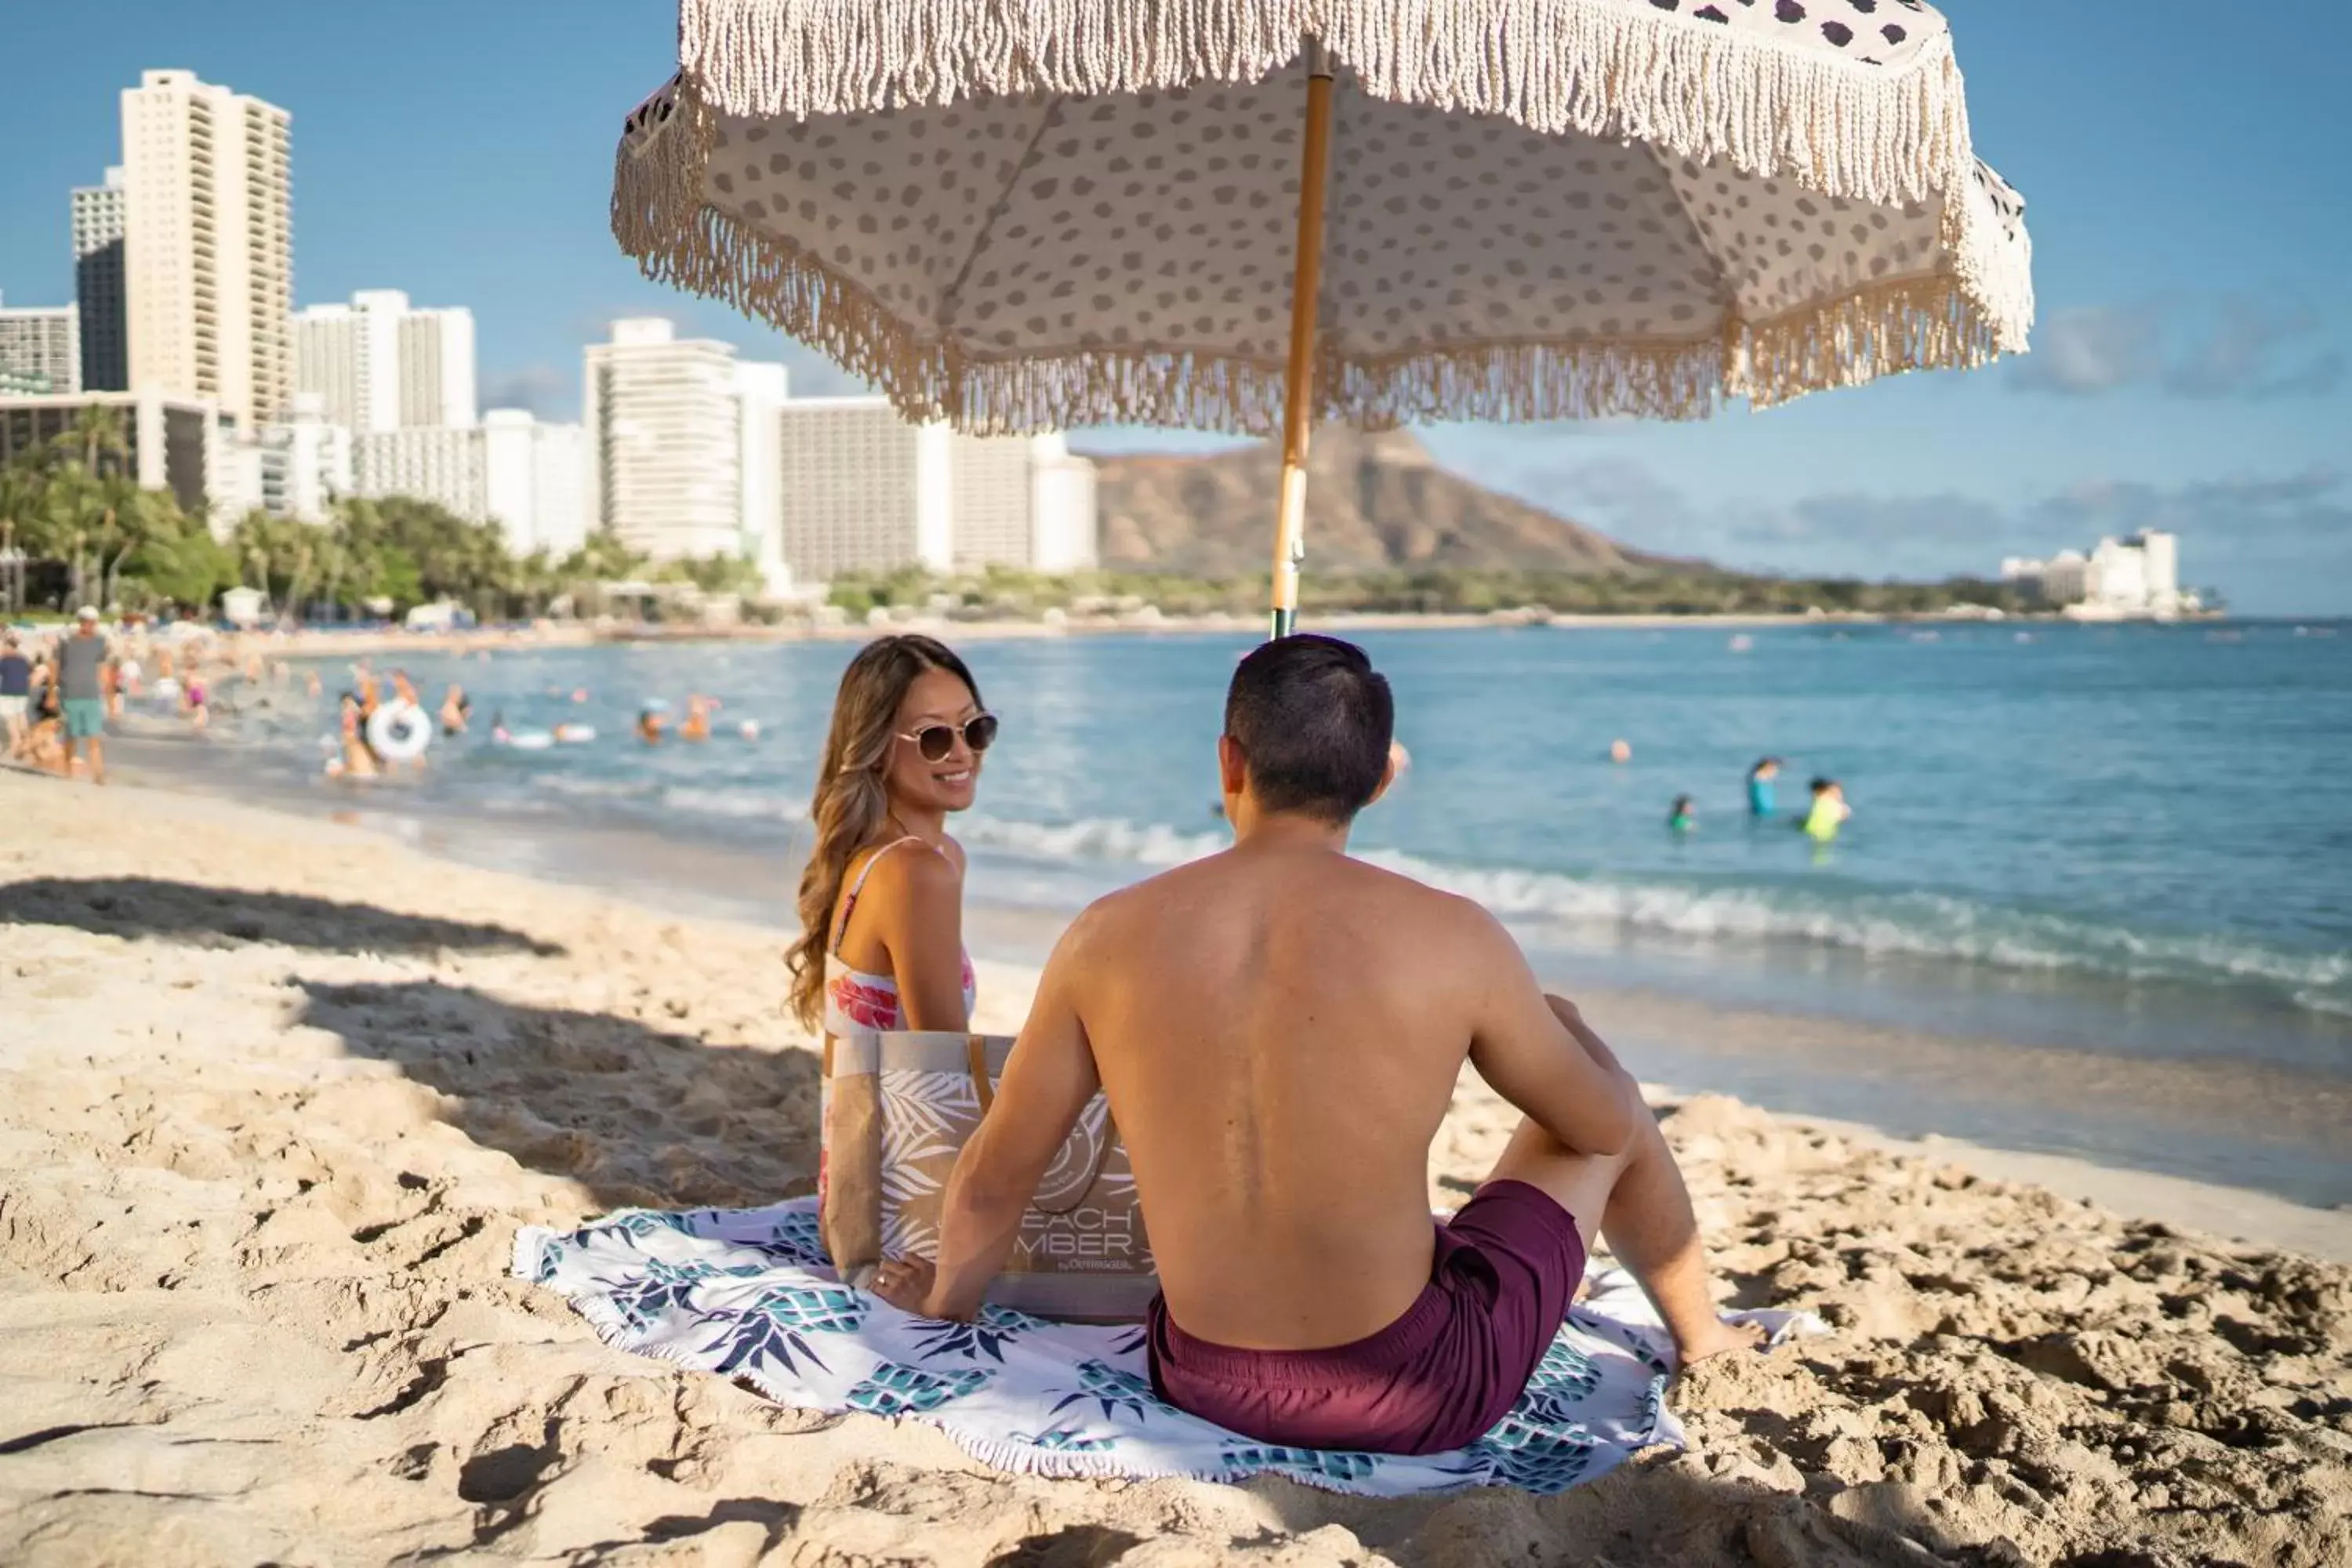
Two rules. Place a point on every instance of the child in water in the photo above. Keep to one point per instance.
(1828, 812)
(1761, 801)
(1681, 819)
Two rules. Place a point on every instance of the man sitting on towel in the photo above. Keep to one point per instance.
(1278, 1029)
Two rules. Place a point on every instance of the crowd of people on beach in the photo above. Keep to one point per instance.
(59, 689)
(382, 725)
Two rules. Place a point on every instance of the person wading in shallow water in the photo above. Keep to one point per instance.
(1278, 1029)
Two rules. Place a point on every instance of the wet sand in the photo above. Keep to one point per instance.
(275, 1093)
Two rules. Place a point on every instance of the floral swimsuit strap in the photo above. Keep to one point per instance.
(857, 886)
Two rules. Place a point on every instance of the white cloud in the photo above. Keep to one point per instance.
(2239, 347)
(549, 393)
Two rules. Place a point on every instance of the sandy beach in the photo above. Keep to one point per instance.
(275, 1094)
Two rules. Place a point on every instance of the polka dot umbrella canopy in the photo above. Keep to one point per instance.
(1022, 214)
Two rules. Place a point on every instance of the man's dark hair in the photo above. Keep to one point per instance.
(1312, 720)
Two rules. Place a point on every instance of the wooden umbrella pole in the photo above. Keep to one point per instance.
(1298, 381)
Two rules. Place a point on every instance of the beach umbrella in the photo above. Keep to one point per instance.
(1253, 214)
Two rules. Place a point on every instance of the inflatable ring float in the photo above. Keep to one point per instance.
(399, 731)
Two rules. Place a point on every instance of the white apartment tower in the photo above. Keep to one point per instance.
(208, 246)
(856, 497)
(436, 368)
(535, 482)
(441, 464)
(989, 500)
(298, 467)
(1065, 526)
(760, 392)
(665, 440)
(100, 215)
(376, 364)
(40, 349)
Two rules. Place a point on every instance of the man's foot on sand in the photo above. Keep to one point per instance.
(1718, 1339)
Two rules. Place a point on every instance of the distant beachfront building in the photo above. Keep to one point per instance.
(854, 495)
(208, 246)
(174, 444)
(535, 482)
(40, 348)
(1065, 520)
(865, 490)
(760, 395)
(439, 464)
(2119, 579)
(99, 216)
(297, 468)
(666, 442)
(511, 469)
(379, 363)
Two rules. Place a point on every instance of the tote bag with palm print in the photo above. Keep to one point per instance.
(897, 1109)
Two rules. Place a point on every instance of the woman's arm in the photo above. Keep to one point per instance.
(921, 917)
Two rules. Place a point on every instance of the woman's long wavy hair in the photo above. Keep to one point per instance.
(851, 804)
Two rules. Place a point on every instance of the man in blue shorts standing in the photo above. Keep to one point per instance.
(81, 660)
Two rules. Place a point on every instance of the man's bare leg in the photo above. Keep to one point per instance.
(1642, 1207)
(97, 761)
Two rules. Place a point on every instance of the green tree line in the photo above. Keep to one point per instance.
(1001, 593)
(72, 507)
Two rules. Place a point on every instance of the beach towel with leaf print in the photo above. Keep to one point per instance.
(748, 1294)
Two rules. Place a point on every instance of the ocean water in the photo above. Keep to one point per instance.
(2132, 842)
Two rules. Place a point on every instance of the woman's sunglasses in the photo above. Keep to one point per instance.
(934, 742)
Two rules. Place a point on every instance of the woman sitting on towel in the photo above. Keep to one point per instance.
(881, 903)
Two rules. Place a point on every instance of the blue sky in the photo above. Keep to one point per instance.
(2185, 169)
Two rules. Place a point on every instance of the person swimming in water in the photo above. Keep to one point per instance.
(652, 723)
(1761, 799)
(1681, 819)
(698, 710)
(355, 759)
(1828, 813)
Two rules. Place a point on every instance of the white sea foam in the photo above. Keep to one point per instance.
(1928, 925)
(736, 804)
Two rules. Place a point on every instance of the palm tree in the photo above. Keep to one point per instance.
(23, 524)
(96, 432)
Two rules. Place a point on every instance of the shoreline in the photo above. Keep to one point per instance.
(1631, 1014)
(1915, 1047)
(276, 1093)
(324, 642)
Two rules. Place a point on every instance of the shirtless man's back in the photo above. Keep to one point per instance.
(1278, 1029)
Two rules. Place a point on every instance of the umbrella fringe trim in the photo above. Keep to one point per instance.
(1601, 68)
(661, 217)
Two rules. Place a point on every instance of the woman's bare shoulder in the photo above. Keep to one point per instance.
(912, 868)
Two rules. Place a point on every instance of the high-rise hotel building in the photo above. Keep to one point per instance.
(208, 246)
(665, 442)
(99, 216)
(379, 363)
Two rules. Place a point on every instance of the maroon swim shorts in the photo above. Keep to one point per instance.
(1506, 1269)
